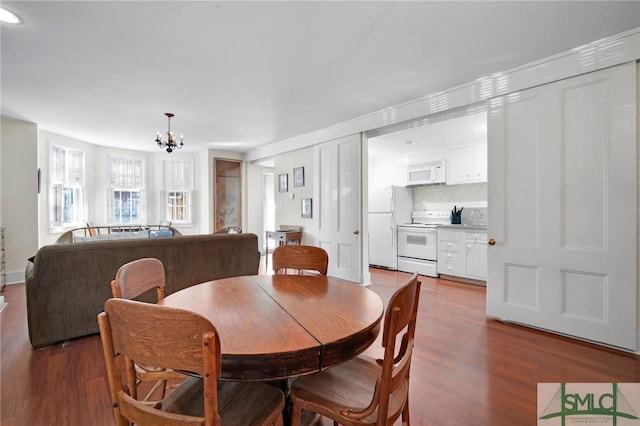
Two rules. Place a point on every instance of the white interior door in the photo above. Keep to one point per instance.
(562, 200)
(337, 211)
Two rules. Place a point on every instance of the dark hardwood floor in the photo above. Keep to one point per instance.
(467, 369)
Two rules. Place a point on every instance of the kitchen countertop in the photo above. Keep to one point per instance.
(465, 227)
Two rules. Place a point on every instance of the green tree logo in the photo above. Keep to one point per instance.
(565, 404)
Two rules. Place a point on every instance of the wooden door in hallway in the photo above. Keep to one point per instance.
(227, 193)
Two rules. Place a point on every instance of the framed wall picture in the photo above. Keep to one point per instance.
(306, 208)
(298, 176)
(283, 182)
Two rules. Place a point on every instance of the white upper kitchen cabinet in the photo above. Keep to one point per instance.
(467, 163)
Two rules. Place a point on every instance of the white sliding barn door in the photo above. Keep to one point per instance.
(562, 199)
(337, 210)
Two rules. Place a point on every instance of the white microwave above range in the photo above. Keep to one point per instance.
(427, 173)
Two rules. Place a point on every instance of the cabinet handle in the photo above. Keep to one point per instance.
(492, 242)
(356, 232)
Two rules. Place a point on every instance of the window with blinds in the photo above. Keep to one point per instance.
(177, 190)
(66, 187)
(126, 199)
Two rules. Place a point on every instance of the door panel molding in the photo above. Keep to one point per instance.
(563, 207)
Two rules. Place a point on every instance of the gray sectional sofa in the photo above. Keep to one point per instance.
(67, 284)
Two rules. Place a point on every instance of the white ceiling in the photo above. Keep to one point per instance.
(404, 144)
(242, 74)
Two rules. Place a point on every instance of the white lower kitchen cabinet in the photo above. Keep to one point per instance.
(450, 253)
(463, 254)
(476, 255)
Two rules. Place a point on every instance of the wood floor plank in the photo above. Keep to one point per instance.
(467, 369)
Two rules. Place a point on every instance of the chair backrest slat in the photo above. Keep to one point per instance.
(137, 277)
(158, 335)
(301, 258)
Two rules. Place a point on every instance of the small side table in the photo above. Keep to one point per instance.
(282, 237)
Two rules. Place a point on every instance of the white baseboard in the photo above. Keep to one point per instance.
(15, 277)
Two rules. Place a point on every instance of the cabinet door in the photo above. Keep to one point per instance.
(460, 165)
(450, 263)
(476, 260)
(480, 161)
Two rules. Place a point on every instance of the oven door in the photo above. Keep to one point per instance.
(417, 243)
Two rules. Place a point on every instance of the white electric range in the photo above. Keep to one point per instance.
(418, 242)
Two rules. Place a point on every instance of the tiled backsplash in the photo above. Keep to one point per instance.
(444, 197)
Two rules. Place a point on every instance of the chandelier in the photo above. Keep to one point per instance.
(170, 144)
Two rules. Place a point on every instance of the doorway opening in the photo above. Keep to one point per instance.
(268, 205)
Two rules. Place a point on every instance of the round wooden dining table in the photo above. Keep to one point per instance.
(278, 326)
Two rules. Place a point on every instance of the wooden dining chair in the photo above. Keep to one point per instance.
(132, 280)
(367, 391)
(300, 258)
(188, 342)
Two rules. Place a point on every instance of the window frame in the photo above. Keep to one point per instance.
(67, 174)
(178, 178)
(125, 174)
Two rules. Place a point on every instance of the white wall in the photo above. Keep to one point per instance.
(255, 201)
(288, 204)
(95, 181)
(24, 213)
(18, 194)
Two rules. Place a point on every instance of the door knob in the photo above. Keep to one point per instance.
(356, 232)
(492, 242)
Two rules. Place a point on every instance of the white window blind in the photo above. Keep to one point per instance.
(178, 175)
(126, 198)
(66, 187)
(125, 173)
(177, 190)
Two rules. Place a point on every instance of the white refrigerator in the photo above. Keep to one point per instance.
(389, 206)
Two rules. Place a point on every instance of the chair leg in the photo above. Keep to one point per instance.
(296, 412)
(405, 413)
(279, 421)
(163, 389)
